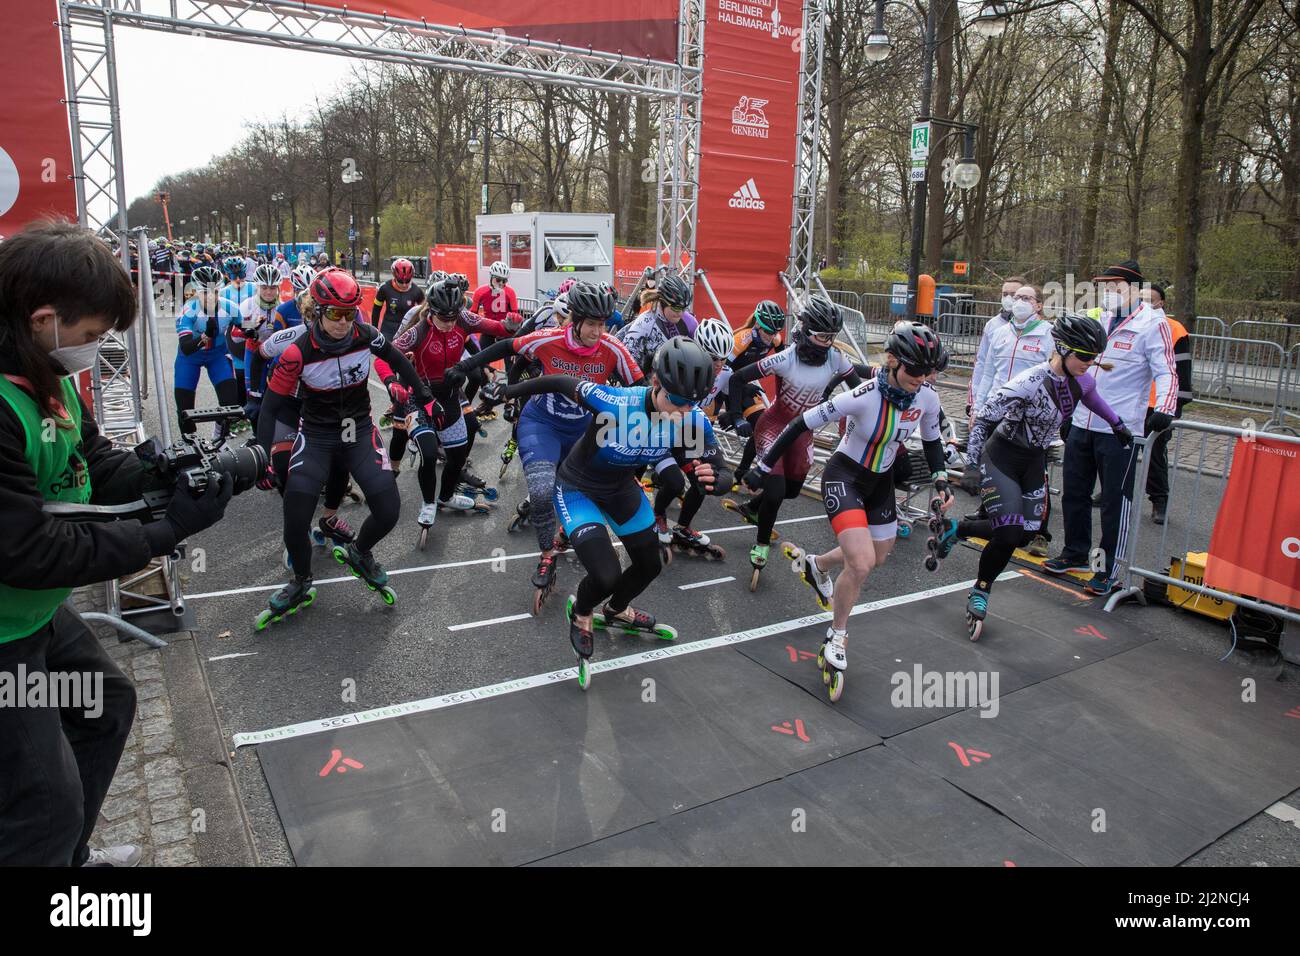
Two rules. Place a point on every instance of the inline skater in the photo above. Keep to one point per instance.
(667, 317)
(255, 314)
(395, 298)
(496, 300)
(857, 485)
(803, 369)
(201, 333)
(330, 359)
(1008, 445)
(597, 490)
(715, 337)
(435, 342)
(760, 336)
(551, 423)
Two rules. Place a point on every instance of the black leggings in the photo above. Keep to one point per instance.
(1014, 490)
(316, 453)
(747, 454)
(776, 489)
(604, 578)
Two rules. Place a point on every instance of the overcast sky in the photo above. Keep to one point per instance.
(175, 93)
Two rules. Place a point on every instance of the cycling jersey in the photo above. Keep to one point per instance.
(432, 350)
(625, 434)
(549, 349)
(644, 334)
(238, 296)
(193, 322)
(394, 304)
(1029, 409)
(749, 347)
(253, 316)
(877, 429)
(800, 386)
(499, 304)
(335, 383)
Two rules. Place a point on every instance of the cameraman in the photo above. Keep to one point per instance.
(61, 289)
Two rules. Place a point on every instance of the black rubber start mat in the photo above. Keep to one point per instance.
(871, 808)
(515, 778)
(1141, 759)
(914, 663)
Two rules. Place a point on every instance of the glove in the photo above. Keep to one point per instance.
(187, 515)
(1124, 435)
(1159, 421)
(743, 428)
(754, 477)
(492, 393)
(511, 413)
(399, 393)
(268, 481)
(454, 377)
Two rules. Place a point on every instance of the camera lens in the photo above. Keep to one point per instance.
(245, 464)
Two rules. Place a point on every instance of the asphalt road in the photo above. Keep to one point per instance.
(348, 652)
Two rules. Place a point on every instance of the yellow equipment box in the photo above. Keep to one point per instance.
(1193, 571)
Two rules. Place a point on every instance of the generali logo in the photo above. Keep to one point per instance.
(748, 118)
(746, 197)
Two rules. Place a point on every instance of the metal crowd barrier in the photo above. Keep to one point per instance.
(1131, 573)
(1242, 374)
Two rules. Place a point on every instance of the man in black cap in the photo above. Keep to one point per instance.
(1139, 351)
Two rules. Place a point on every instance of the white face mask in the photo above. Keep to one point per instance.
(1022, 310)
(1007, 303)
(1110, 301)
(76, 357)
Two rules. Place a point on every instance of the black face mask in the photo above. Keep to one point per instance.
(808, 351)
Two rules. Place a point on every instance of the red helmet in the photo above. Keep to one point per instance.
(336, 289)
(403, 271)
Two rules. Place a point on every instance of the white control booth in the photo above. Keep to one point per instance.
(543, 249)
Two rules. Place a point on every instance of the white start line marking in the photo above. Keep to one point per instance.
(570, 673)
(705, 584)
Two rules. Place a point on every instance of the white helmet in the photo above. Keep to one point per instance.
(561, 305)
(714, 336)
(267, 275)
(499, 270)
(301, 277)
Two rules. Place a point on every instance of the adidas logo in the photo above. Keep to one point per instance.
(746, 197)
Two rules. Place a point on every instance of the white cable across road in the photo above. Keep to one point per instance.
(326, 724)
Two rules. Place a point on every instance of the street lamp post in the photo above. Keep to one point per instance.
(216, 228)
(276, 199)
(990, 22)
(351, 177)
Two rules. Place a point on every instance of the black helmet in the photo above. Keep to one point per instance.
(589, 301)
(915, 344)
(684, 369)
(674, 292)
(1079, 334)
(447, 297)
(769, 316)
(821, 316)
(944, 358)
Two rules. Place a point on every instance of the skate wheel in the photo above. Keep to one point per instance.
(389, 595)
(288, 565)
(311, 597)
(584, 673)
(931, 563)
(491, 494)
(339, 555)
(539, 599)
(424, 538)
(665, 632)
(821, 660)
(753, 579)
(502, 473)
(835, 685)
(718, 555)
(904, 529)
(976, 627)
(665, 555)
(264, 619)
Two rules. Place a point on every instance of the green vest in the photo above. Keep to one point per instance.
(54, 455)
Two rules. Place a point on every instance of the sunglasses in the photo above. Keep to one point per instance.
(341, 315)
(917, 371)
(679, 400)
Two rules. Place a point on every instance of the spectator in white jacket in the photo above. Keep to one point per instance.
(1139, 351)
(1021, 342)
(981, 368)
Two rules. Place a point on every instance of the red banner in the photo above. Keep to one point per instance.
(752, 50)
(35, 148)
(462, 259)
(1255, 548)
(645, 28)
(629, 264)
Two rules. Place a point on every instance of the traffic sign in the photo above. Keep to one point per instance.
(920, 141)
(320, 235)
(918, 171)
(352, 235)
(959, 268)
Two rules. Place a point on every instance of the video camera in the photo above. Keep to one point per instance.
(190, 462)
